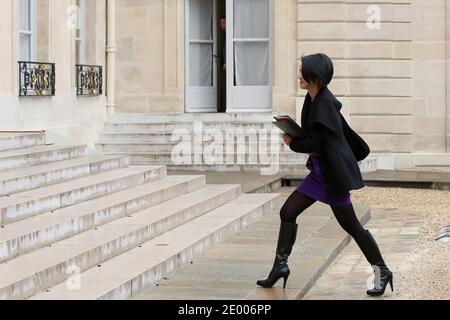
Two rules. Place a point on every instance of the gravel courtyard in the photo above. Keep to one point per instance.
(428, 278)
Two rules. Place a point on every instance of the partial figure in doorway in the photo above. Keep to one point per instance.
(223, 67)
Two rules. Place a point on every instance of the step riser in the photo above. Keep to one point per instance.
(243, 159)
(35, 207)
(285, 165)
(163, 138)
(49, 277)
(171, 127)
(171, 265)
(369, 165)
(156, 118)
(153, 138)
(14, 247)
(240, 168)
(19, 142)
(283, 168)
(61, 175)
(168, 148)
(26, 160)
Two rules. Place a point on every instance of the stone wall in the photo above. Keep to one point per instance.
(284, 56)
(373, 64)
(150, 49)
(393, 79)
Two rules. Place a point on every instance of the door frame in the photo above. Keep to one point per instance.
(251, 91)
(230, 88)
(187, 88)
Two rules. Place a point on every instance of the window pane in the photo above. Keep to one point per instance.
(201, 71)
(251, 18)
(25, 47)
(252, 63)
(200, 19)
(24, 8)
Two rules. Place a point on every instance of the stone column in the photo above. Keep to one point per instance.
(111, 56)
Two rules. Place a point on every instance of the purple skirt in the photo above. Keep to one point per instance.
(314, 186)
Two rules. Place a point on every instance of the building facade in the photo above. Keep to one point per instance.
(62, 34)
(167, 56)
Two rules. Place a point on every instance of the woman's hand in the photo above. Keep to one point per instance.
(287, 139)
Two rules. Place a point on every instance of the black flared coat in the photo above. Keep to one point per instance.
(338, 146)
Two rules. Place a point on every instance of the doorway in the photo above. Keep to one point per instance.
(245, 85)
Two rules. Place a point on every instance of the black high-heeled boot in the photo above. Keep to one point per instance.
(383, 275)
(280, 269)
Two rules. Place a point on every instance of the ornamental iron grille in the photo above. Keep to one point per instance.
(89, 80)
(36, 79)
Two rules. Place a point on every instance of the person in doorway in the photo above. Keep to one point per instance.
(223, 66)
(334, 171)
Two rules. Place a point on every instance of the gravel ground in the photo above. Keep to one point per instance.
(429, 278)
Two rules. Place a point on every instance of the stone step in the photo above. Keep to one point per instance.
(33, 233)
(33, 177)
(243, 168)
(11, 140)
(186, 117)
(36, 155)
(283, 167)
(168, 147)
(158, 138)
(30, 203)
(287, 162)
(129, 273)
(167, 158)
(185, 127)
(136, 137)
(376, 162)
(46, 267)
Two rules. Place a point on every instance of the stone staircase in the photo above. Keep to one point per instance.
(79, 226)
(148, 139)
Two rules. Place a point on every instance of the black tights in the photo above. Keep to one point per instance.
(346, 217)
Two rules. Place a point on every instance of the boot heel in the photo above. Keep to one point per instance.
(391, 282)
(285, 280)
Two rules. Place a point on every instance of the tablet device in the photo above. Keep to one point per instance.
(289, 126)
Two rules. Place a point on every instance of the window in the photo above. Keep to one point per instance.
(26, 30)
(80, 36)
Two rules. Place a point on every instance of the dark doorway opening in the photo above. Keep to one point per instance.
(221, 58)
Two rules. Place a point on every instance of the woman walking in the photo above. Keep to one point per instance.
(334, 171)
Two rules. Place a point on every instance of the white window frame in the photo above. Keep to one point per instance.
(81, 25)
(258, 99)
(200, 99)
(31, 33)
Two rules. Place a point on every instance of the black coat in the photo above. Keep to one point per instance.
(338, 146)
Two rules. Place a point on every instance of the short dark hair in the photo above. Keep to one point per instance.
(317, 68)
(222, 17)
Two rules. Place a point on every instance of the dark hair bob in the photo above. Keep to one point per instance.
(317, 68)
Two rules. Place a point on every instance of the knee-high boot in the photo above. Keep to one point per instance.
(286, 239)
(383, 275)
